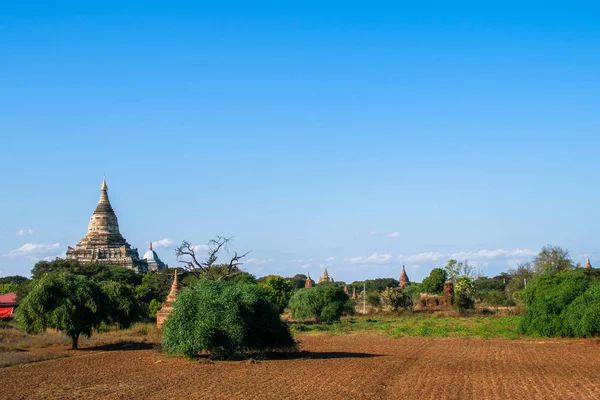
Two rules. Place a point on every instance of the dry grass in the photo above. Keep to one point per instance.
(18, 347)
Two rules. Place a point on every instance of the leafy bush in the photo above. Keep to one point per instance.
(394, 298)
(323, 303)
(464, 288)
(154, 307)
(227, 318)
(279, 291)
(562, 304)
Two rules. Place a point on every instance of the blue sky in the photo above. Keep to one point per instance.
(357, 137)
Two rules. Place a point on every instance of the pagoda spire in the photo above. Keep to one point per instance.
(404, 281)
(588, 264)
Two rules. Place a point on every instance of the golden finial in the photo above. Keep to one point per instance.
(103, 187)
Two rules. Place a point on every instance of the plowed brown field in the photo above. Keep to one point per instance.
(344, 367)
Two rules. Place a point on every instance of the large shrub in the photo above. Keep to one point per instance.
(562, 304)
(394, 298)
(226, 318)
(279, 291)
(324, 303)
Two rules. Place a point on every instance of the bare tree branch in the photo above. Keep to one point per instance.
(186, 254)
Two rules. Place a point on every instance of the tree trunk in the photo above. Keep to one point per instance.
(75, 338)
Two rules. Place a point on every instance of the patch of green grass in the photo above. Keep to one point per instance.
(480, 327)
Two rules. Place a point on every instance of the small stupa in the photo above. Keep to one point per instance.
(354, 294)
(308, 283)
(167, 306)
(404, 281)
(588, 264)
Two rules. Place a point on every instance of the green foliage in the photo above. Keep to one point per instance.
(452, 269)
(562, 304)
(119, 304)
(96, 271)
(494, 298)
(434, 283)
(16, 279)
(553, 259)
(374, 299)
(298, 281)
(473, 326)
(414, 291)
(15, 283)
(154, 307)
(225, 318)
(464, 288)
(323, 303)
(395, 298)
(155, 286)
(455, 269)
(279, 291)
(8, 288)
(524, 273)
(74, 304)
(374, 285)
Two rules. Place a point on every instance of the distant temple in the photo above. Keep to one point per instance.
(588, 264)
(308, 283)
(325, 277)
(404, 281)
(105, 244)
(153, 262)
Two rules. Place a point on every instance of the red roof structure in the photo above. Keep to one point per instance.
(8, 303)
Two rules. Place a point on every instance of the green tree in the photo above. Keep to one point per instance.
(16, 279)
(96, 271)
(226, 318)
(455, 269)
(8, 288)
(298, 281)
(374, 299)
(323, 303)
(395, 298)
(553, 259)
(73, 304)
(279, 291)
(434, 283)
(374, 285)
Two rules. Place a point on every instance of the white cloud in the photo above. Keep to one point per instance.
(305, 266)
(295, 261)
(166, 242)
(31, 249)
(494, 254)
(23, 232)
(373, 233)
(421, 257)
(372, 259)
(329, 259)
(394, 235)
(481, 256)
(257, 261)
(200, 247)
